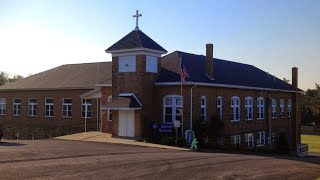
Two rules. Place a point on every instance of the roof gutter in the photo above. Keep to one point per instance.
(223, 86)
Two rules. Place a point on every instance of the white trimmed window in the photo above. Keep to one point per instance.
(152, 64)
(219, 107)
(249, 139)
(249, 108)
(261, 138)
(109, 111)
(172, 108)
(235, 108)
(274, 108)
(86, 108)
(127, 64)
(2, 106)
(32, 107)
(273, 137)
(260, 106)
(281, 108)
(289, 107)
(16, 107)
(67, 108)
(203, 114)
(49, 105)
(235, 139)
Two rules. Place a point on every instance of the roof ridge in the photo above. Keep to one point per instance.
(139, 38)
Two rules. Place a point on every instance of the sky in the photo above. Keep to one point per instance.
(273, 35)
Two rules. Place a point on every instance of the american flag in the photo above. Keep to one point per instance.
(183, 72)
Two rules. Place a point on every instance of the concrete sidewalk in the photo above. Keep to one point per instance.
(105, 137)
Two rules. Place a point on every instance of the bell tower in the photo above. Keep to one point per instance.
(135, 67)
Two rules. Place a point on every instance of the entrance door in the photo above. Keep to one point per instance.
(126, 123)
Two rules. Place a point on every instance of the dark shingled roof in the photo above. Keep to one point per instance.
(70, 76)
(123, 102)
(136, 39)
(225, 72)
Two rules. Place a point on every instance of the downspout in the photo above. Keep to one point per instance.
(191, 106)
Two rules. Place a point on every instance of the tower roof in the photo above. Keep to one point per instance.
(136, 39)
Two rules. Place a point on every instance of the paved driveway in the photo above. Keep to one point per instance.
(61, 159)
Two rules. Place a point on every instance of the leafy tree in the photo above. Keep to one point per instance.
(5, 78)
(311, 105)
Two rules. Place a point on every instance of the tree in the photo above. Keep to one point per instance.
(5, 78)
(311, 105)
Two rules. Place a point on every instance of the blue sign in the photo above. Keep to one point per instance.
(163, 128)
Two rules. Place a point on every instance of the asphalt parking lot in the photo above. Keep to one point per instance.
(62, 159)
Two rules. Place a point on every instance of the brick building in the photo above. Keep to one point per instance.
(141, 87)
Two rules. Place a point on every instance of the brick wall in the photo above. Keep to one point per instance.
(41, 126)
(230, 128)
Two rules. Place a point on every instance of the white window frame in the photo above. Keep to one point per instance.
(3, 105)
(236, 139)
(249, 108)
(16, 107)
(289, 107)
(260, 106)
(68, 108)
(273, 137)
(175, 108)
(203, 107)
(274, 108)
(50, 109)
(249, 139)
(235, 108)
(261, 138)
(86, 108)
(32, 107)
(281, 114)
(109, 111)
(127, 64)
(219, 107)
(152, 64)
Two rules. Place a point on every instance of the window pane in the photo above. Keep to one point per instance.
(168, 101)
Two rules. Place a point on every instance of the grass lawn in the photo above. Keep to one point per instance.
(313, 142)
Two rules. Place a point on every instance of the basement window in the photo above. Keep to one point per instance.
(261, 138)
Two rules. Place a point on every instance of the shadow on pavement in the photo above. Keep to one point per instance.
(10, 144)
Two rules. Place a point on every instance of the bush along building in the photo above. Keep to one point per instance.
(226, 103)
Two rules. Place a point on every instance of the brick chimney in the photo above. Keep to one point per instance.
(295, 77)
(209, 60)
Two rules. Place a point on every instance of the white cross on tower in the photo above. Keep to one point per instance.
(137, 15)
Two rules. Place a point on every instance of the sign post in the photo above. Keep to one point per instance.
(176, 125)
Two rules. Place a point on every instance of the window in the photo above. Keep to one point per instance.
(273, 137)
(274, 108)
(2, 106)
(289, 107)
(66, 108)
(86, 108)
(261, 138)
(152, 64)
(236, 139)
(16, 107)
(49, 105)
(249, 139)
(249, 108)
(203, 109)
(260, 106)
(172, 107)
(281, 108)
(127, 64)
(32, 107)
(219, 107)
(235, 108)
(109, 111)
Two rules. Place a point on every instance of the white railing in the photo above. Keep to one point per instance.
(302, 150)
